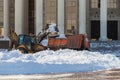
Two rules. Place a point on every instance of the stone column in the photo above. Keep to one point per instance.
(82, 16)
(39, 16)
(6, 17)
(61, 16)
(103, 20)
(19, 16)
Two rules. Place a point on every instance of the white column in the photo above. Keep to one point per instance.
(19, 16)
(6, 17)
(82, 16)
(39, 16)
(103, 20)
(61, 16)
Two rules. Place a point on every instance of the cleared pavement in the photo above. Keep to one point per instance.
(99, 75)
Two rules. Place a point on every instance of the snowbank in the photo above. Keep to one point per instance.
(5, 39)
(61, 61)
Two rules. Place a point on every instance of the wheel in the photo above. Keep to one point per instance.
(22, 48)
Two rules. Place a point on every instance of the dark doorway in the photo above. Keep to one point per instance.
(95, 29)
(112, 30)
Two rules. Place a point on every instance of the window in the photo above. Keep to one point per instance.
(95, 3)
(31, 14)
(112, 3)
(71, 15)
(1, 13)
(50, 11)
(12, 13)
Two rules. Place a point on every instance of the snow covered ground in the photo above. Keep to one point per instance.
(61, 61)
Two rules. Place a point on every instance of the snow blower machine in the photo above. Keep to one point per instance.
(49, 39)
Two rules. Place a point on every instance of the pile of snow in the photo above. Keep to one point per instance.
(111, 47)
(44, 42)
(62, 36)
(61, 61)
(4, 38)
(52, 27)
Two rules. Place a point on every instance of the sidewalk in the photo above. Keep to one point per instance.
(100, 75)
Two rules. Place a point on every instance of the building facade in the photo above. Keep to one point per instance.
(99, 19)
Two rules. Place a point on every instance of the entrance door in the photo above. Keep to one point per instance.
(95, 29)
(112, 30)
